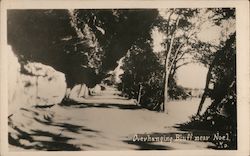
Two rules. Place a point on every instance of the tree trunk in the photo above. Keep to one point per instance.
(167, 70)
(164, 107)
(139, 94)
(204, 96)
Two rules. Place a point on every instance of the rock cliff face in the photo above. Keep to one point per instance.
(49, 37)
(42, 85)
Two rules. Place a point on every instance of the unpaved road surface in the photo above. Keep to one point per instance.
(106, 122)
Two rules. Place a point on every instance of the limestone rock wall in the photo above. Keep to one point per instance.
(43, 85)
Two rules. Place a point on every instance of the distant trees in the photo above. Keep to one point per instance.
(180, 31)
(182, 45)
(180, 27)
(143, 76)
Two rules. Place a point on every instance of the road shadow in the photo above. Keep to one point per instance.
(100, 105)
(147, 145)
(168, 141)
(28, 141)
(48, 136)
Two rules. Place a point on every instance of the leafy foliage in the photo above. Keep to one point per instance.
(221, 14)
(116, 30)
(142, 68)
(175, 91)
(221, 115)
(223, 93)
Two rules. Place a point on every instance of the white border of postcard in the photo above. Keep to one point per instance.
(242, 32)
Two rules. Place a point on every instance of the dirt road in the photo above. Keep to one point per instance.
(106, 122)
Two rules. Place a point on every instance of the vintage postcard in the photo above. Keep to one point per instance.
(124, 77)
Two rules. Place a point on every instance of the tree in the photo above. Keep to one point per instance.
(211, 59)
(142, 78)
(221, 115)
(179, 30)
(180, 27)
(116, 30)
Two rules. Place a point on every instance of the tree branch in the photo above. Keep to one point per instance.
(183, 64)
(175, 56)
(169, 17)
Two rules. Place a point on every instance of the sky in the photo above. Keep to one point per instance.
(192, 76)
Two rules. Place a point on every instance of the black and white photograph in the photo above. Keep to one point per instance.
(122, 79)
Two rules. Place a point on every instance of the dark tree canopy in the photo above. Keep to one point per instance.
(52, 38)
(221, 14)
(121, 29)
(223, 77)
